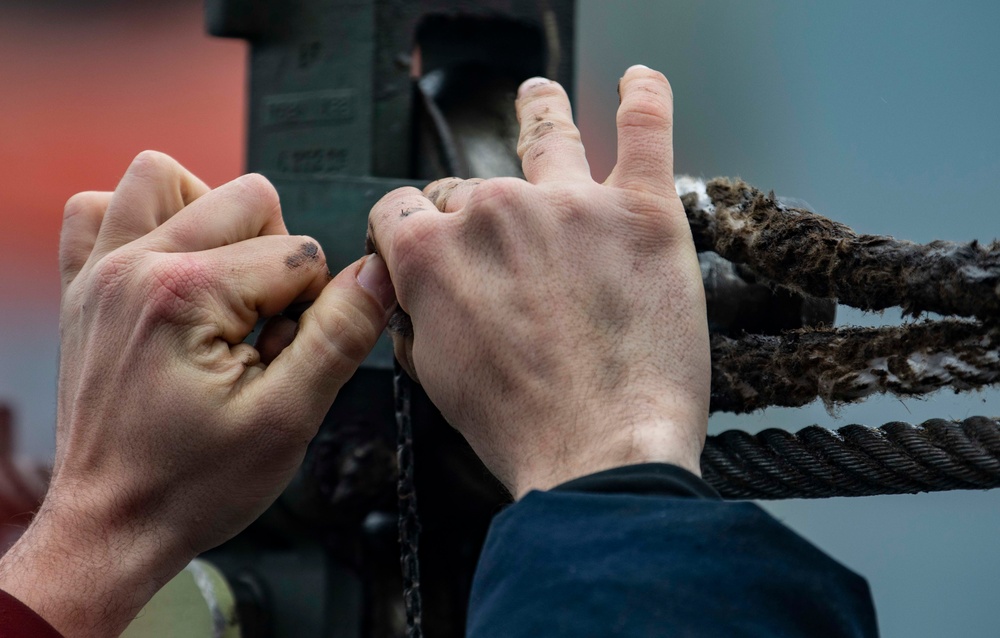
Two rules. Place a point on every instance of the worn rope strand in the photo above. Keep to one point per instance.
(815, 256)
(842, 365)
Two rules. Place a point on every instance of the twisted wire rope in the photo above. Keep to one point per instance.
(854, 460)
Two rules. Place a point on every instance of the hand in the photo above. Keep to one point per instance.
(558, 323)
(173, 435)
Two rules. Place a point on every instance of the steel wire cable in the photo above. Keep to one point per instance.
(815, 462)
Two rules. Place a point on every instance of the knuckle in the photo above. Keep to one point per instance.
(391, 202)
(415, 244)
(645, 110)
(165, 176)
(496, 194)
(174, 284)
(259, 191)
(653, 214)
(435, 188)
(440, 192)
(400, 194)
(86, 204)
(112, 271)
(547, 129)
(346, 332)
(152, 163)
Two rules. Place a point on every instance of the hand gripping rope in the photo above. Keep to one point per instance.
(795, 249)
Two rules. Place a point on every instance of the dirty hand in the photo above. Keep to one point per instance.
(173, 435)
(558, 323)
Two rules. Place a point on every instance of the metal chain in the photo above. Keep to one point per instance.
(897, 458)
(409, 524)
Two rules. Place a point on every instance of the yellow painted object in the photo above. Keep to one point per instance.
(196, 603)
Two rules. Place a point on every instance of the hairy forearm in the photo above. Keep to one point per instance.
(84, 581)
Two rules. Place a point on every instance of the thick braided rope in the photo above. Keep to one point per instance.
(845, 365)
(816, 256)
(897, 458)
(409, 524)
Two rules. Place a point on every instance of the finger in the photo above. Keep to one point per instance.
(645, 133)
(82, 219)
(277, 333)
(154, 188)
(400, 208)
(549, 146)
(261, 277)
(244, 208)
(451, 193)
(335, 335)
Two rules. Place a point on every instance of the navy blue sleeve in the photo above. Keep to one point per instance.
(593, 559)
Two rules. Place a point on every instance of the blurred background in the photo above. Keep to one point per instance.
(880, 115)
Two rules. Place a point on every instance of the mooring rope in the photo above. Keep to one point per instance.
(819, 257)
(815, 462)
(848, 364)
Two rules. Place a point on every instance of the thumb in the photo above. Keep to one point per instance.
(335, 335)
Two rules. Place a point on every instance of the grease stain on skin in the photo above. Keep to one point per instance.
(406, 212)
(307, 252)
(542, 129)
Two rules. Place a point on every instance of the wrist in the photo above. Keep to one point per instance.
(83, 577)
(659, 440)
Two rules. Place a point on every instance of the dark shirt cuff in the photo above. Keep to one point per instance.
(654, 479)
(17, 620)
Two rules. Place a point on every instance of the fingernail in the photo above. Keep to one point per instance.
(373, 276)
(637, 67)
(531, 83)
